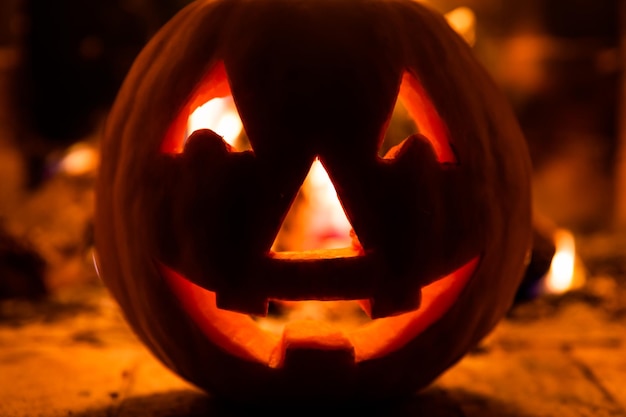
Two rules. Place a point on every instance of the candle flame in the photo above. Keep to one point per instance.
(564, 274)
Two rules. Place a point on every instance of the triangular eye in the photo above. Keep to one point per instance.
(416, 113)
(210, 106)
(316, 219)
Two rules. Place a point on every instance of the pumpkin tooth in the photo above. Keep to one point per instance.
(393, 303)
(312, 346)
(234, 300)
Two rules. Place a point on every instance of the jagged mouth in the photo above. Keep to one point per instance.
(341, 328)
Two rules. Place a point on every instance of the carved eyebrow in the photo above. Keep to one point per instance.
(426, 117)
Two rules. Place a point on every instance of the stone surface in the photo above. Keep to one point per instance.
(73, 355)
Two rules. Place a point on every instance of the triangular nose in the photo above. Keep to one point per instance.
(316, 218)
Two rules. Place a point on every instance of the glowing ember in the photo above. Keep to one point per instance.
(564, 274)
(219, 115)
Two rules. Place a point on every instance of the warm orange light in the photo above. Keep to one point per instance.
(80, 159)
(422, 110)
(463, 21)
(327, 223)
(219, 115)
(342, 316)
(315, 222)
(241, 335)
(317, 219)
(564, 273)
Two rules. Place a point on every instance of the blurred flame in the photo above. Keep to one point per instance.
(80, 159)
(220, 115)
(463, 21)
(564, 274)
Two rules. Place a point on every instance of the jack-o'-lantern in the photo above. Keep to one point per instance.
(185, 223)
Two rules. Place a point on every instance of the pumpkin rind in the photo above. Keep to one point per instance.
(137, 224)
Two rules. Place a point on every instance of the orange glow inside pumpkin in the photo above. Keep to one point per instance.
(321, 224)
(412, 96)
(220, 115)
(241, 335)
(319, 216)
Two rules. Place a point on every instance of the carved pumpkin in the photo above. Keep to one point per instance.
(185, 224)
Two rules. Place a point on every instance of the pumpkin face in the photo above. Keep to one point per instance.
(185, 223)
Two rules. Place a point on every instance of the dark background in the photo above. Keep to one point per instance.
(557, 60)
